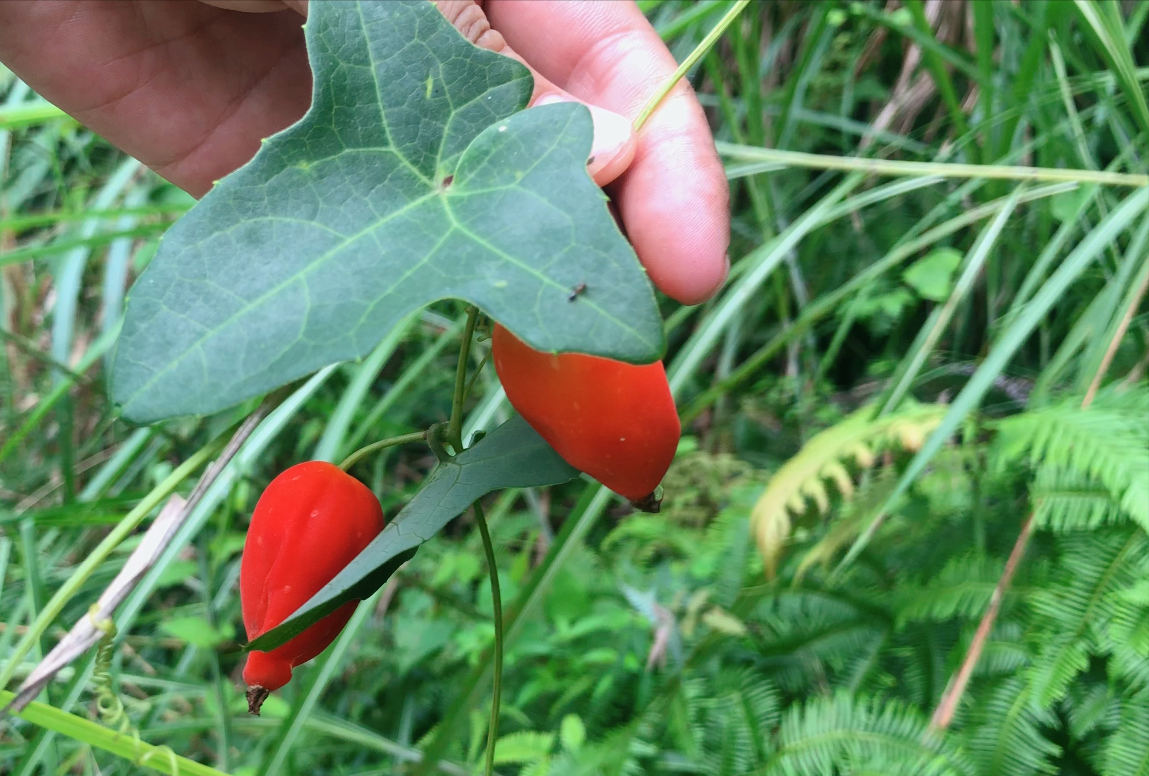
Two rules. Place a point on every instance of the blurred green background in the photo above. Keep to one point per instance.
(908, 369)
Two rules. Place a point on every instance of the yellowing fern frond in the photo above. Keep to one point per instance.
(855, 440)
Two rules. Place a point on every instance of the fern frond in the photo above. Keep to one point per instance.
(740, 713)
(1005, 733)
(805, 634)
(1090, 707)
(731, 747)
(1073, 614)
(916, 659)
(1126, 752)
(650, 535)
(1069, 500)
(1108, 442)
(801, 479)
(685, 714)
(537, 768)
(844, 734)
(1002, 658)
(853, 519)
(961, 589)
(723, 557)
(1128, 635)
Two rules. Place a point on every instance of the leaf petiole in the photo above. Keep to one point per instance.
(351, 460)
(455, 430)
(435, 440)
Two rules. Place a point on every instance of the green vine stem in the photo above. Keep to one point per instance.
(455, 429)
(497, 606)
(435, 442)
(690, 61)
(475, 377)
(351, 460)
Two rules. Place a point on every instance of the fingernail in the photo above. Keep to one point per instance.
(612, 134)
(613, 139)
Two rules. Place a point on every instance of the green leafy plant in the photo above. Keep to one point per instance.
(976, 605)
(399, 187)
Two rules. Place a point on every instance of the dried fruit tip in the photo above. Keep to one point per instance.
(256, 695)
(650, 503)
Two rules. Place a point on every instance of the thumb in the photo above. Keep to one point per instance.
(614, 140)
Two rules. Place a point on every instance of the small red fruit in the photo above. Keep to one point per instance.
(312, 521)
(615, 421)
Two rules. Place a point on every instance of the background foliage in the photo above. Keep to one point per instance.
(906, 371)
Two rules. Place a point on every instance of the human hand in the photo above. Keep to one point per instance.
(190, 88)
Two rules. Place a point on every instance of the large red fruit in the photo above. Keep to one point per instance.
(312, 520)
(615, 421)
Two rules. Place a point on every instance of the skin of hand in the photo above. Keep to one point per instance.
(189, 88)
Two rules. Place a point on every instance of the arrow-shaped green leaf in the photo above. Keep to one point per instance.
(413, 177)
(512, 456)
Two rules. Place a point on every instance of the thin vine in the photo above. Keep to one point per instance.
(351, 460)
(497, 606)
(108, 704)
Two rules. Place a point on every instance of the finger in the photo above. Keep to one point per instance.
(250, 6)
(259, 6)
(674, 199)
(185, 88)
(614, 140)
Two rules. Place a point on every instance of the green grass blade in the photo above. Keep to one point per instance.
(99, 554)
(777, 156)
(937, 68)
(1010, 340)
(114, 466)
(96, 735)
(940, 318)
(319, 674)
(1103, 17)
(410, 375)
(331, 444)
(29, 114)
(761, 262)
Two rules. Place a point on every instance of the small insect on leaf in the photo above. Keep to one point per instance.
(576, 292)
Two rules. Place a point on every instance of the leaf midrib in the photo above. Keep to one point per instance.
(319, 262)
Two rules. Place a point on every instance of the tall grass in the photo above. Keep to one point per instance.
(931, 201)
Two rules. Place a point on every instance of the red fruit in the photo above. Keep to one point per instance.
(312, 521)
(615, 421)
